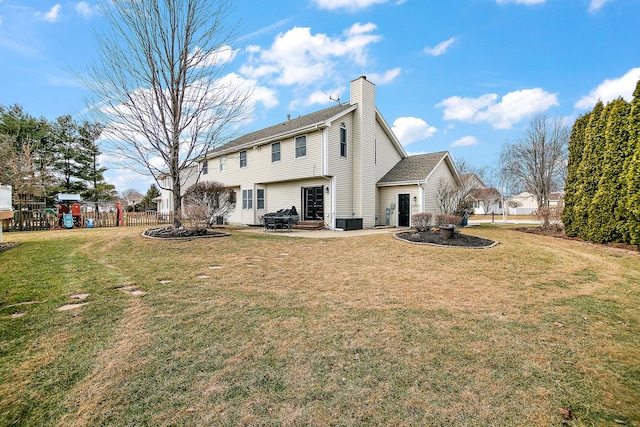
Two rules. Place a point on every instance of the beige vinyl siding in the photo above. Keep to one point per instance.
(387, 155)
(389, 195)
(431, 187)
(341, 168)
(364, 135)
(259, 165)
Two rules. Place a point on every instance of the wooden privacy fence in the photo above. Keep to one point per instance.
(42, 220)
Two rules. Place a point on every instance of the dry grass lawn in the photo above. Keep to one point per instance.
(269, 330)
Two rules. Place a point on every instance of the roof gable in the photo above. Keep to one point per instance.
(414, 168)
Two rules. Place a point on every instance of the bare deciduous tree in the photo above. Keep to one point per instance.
(160, 84)
(205, 201)
(537, 162)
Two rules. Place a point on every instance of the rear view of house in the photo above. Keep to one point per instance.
(340, 165)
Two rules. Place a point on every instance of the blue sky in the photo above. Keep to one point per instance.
(464, 75)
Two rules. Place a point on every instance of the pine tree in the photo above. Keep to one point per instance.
(633, 172)
(576, 148)
(604, 212)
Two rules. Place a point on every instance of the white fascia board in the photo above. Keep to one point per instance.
(398, 183)
(341, 114)
(391, 135)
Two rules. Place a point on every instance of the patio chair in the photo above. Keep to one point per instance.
(269, 223)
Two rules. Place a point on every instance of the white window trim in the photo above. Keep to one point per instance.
(279, 152)
(246, 160)
(264, 199)
(295, 149)
(223, 163)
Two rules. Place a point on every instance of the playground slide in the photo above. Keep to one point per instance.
(67, 220)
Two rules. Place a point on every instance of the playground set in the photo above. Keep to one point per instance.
(70, 213)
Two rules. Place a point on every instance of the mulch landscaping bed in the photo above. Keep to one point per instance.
(182, 233)
(435, 238)
(558, 233)
(8, 245)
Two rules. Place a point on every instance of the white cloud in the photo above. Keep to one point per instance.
(53, 15)
(412, 129)
(219, 57)
(87, 11)
(512, 108)
(520, 1)
(440, 48)
(611, 89)
(317, 97)
(387, 77)
(298, 57)
(351, 5)
(465, 141)
(595, 5)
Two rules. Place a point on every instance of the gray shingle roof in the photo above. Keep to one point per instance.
(413, 168)
(281, 128)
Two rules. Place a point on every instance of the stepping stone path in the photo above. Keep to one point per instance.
(203, 276)
(164, 282)
(215, 267)
(68, 307)
(133, 291)
(73, 306)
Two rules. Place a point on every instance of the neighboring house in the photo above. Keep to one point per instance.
(485, 200)
(6, 205)
(188, 177)
(339, 164)
(522, 204)
(130, 199)
(525, 203)
(556, 199)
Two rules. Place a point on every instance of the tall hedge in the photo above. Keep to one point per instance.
(606, 212)
(576, 147)
(602, 189)
(633, 172)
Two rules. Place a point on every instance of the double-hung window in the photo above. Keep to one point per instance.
(275, 152)
(223, 163)
(243, 159)
(343, 140)
(301, 146)
(247, 199)
(260, 198)
(205, 167)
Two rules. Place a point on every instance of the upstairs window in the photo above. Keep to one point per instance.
(343, 140)
(243, 159)
(205, 167)
(275, 152)
(223, 163)
(301, 146)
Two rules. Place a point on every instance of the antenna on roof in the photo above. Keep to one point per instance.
(335, 100)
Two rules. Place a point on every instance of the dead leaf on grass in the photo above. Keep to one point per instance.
(558, 324)
(567, 413)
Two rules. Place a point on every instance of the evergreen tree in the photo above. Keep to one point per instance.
(589, 176)
(605, 213)
(576, 148)
(90, 171)
(633, 171)
(70, 157)
(147, 202)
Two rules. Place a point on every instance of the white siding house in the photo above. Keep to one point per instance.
(332, 165)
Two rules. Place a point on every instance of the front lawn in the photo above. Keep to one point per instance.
(258, 329)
